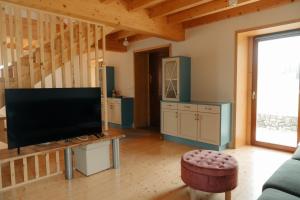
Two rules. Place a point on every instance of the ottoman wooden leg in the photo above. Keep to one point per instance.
(228, 195)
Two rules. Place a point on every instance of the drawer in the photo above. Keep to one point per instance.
(208, 109)
(187, 107)
(171, 106)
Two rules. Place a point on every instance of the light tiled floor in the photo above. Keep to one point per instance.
(150, 169)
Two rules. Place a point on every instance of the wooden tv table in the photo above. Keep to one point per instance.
(35, 151)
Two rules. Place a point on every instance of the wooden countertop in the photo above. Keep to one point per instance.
(12, 154)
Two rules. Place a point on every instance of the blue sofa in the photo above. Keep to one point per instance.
(284, 184)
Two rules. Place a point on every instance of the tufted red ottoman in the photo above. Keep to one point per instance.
(209, 171)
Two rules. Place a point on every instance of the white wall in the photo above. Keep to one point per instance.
(212, 49)
(124, 74)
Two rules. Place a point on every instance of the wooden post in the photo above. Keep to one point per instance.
(80, 54)
(104, 78)
(25, 170)
(57, 161)
(19, 46)
(72, 53)
(47, 28)
(37, 166)
(88, 55)
(96, 56)
(31, 67)
(4, 45)
(11, 35)
(52, 48)
(12, 172)
(47, 164)
(63, 57)
(42, 48)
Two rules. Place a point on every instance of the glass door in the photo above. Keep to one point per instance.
(275, 97)
(170, 74)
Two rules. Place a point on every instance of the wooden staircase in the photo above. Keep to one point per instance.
(37, 45)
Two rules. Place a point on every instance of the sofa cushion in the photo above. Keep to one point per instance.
(296, 155)
(286, 178)
(273, 194)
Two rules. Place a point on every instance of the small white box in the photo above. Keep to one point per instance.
(92, 158)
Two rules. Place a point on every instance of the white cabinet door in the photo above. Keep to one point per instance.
(188, 125)
(115, 113)
(169, 122)
(209, 128)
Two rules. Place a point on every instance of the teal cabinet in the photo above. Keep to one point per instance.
(120, 112)
(176, 75)
(110, 80)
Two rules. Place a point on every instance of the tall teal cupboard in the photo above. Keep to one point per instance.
(176, 75)
(110, 80)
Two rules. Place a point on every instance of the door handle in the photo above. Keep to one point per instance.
(253, 95)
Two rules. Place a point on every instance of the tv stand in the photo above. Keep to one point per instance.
(68, 140)
(36, 151)
(99, 135)
(68, 163)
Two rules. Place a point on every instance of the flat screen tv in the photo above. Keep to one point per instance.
(37, 116)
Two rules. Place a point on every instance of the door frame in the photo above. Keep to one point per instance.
(256, 40)
(138, 109)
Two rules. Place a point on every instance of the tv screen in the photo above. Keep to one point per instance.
(37, 116)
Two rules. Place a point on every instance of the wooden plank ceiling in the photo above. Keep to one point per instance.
(140, 19)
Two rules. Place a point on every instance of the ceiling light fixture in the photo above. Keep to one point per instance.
(125, 42)
(232, 2)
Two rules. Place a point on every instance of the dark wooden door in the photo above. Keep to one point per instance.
(155, 85)
(141, 71)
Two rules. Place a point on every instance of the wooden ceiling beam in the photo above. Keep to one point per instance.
(106, 1)
(121, 35)
(114, 14)
(205, 9)
(237, 11)
(171, 6)
(112, 45)
(137, 37)
(140, 4)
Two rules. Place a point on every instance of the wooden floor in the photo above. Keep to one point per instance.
(150, 169)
